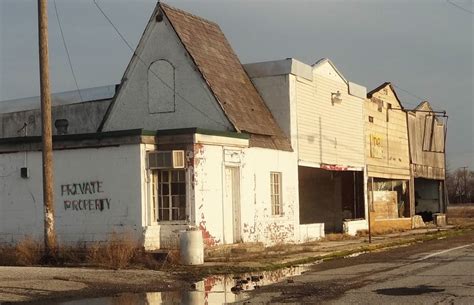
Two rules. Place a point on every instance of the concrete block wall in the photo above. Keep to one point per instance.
(97, 192)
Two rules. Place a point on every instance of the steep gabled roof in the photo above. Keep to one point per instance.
(371, 93)
(423, 105)
(322, 61)
(226, 78)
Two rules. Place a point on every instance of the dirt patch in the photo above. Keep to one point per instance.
(461, 215)
(461, 211)
(20, 284)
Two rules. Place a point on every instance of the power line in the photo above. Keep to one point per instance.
(145, 64)
(459, 7)
(67, 51)
(409, 93)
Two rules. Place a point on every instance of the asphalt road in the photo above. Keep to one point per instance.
(434, 272)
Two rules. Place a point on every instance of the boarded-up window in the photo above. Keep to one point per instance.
(161, 87)
(428, 133)
(438, 138)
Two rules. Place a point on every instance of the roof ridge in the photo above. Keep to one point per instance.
(188, 14)
(226, 78)
(376, 89)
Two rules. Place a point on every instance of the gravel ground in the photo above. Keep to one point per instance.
(20, 284)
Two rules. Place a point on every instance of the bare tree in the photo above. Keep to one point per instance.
(460, 185)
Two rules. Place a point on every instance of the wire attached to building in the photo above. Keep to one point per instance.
(67, 51)
(460, 7)
(409, 93)
(145, 64)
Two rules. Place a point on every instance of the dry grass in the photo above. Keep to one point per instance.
(461, 215)
(28, 251)
(279, 247)
(116, 253)
(461, 211)
(337, 237)
(174, 257)
(384, 231)
(74, 255)
(362, 233)
(7, 256)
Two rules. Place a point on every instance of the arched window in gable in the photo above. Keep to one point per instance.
(161, 87)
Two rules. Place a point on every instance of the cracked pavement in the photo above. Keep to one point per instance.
(435, 272)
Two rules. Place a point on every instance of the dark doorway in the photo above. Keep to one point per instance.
(329, 197)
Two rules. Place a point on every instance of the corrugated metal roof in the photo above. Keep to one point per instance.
(226, 78)
(58, 99)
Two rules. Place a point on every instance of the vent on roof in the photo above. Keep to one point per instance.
(159, 16)
(61, 126)
(166, 159)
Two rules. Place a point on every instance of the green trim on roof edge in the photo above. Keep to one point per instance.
(129, 132)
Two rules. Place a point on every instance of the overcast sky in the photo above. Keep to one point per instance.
(423, 47)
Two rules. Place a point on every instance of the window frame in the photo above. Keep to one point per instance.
(159, 195)
(276, 193)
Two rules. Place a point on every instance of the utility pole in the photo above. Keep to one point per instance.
(47, 139)
(465, 184)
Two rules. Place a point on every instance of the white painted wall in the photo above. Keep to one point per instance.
(255, 165)
(299, 97)
(132, 110)
(116, 168)
(329, 133)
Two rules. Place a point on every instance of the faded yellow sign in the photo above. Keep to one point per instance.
(376, 147)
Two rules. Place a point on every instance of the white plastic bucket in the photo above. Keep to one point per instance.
(191, 246)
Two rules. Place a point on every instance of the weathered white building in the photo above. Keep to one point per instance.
(184, 140)
(427, 142)
(387, 158)
(322, 113)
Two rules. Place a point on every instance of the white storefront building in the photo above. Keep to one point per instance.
(184, 140)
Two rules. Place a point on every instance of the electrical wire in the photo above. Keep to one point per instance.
(145, 64)
(409, 93)
(460, 7)
(67, 51)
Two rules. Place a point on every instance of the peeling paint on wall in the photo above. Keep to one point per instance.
(209, 240)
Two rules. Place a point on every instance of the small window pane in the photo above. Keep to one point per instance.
(182, 201)
(182, 213)
(175, 201)
(182, 175)
(165, 214)
(175, 214)
(165, 202)
(174, 188)
(164, 176)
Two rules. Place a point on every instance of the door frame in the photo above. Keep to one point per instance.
(236, 202)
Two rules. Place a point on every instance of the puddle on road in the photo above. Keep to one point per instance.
(219, 289)
(355, 254)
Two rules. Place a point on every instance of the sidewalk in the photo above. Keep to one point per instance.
(252, 257)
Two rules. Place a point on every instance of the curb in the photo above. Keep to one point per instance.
(231, 267)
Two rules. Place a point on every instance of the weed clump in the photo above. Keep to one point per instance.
(28, 251)
(116, 253)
